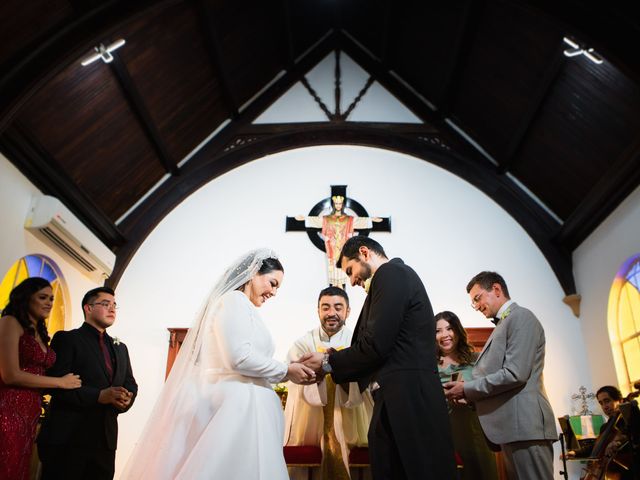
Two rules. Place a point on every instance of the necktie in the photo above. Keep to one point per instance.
(495, 320)
(107, 357)
(332, 466)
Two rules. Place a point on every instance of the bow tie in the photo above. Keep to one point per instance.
(496, 320)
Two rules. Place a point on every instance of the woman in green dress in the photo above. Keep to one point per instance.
(455, 361)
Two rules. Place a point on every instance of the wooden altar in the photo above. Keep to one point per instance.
(176, 337)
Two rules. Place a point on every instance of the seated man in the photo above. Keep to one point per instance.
(334, 417)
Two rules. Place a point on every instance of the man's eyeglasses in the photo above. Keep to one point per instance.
(475, 301)
(106, 305)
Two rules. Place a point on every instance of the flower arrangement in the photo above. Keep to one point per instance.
(282, 391)
(280, 387)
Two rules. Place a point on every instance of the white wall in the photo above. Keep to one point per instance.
(596, 262)
(16, 242)
(443, 227)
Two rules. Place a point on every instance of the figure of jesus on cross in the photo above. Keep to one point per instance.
(336, 226)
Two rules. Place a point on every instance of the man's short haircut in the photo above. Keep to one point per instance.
(91, 295)
(351, 246)
(486, 280)
(613, 392)
(331, 291)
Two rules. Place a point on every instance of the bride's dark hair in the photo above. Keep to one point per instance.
(269, 265)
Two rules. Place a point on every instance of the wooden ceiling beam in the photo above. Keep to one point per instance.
(42, 170)
(141, 112)
(213, 47)
(268, 129)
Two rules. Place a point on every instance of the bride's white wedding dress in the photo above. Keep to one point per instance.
(227, 423)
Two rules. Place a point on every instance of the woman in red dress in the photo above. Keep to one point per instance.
(24, 357)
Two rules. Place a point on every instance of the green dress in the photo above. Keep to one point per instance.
(478, 461)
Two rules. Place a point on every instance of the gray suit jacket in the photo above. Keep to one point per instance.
(507, 385)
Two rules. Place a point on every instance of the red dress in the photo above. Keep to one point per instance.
(19, 411)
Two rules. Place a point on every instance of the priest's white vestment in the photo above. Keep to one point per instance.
(303, 411)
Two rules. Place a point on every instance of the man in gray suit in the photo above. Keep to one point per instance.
(507, 386)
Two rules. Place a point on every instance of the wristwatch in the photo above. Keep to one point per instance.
(326, 366)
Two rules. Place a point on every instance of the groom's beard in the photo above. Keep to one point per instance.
(366, 276)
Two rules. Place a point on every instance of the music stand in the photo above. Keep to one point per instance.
(576, 433)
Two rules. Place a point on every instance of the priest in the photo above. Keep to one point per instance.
(335, 417)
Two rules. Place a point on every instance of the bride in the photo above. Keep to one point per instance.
(217, 416)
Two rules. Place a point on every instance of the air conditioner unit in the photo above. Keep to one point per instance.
(49, 220)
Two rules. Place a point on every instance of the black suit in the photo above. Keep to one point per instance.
(79, 436)
(394, 345)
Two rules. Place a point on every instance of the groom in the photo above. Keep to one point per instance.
(393, 352)
(79, 435)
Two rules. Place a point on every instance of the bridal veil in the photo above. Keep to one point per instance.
(176, 422)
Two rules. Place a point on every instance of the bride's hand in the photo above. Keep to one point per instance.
(300, 374)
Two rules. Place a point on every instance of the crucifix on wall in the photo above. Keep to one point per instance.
(331, 222)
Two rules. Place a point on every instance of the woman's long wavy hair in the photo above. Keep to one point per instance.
(464, 351)
(18, 306)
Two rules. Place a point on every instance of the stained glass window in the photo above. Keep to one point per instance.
(37, 266)
(624, 322)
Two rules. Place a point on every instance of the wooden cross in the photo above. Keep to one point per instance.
(331, 222)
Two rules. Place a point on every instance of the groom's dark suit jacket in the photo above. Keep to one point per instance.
(394, 344)
(75, 417)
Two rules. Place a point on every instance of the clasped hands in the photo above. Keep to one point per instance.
(454, 391)
(308, 368)
(119, 397)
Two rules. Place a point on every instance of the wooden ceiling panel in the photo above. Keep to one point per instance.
(308, 22)
(21, 26)
(171, 69)
(367, 21)
(422, 44)
(82, 120)
(503, 75)
(587, 124)
(253, 44)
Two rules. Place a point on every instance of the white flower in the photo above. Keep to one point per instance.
(116, 341)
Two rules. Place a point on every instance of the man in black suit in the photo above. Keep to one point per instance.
(393, 352)
(79, 435)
